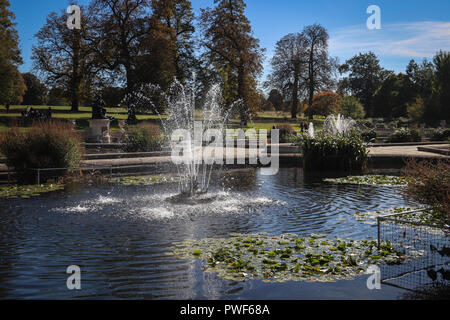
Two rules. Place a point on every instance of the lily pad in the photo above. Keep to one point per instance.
(28, 191)
(143, 180)
(278, 259)
(377, 180)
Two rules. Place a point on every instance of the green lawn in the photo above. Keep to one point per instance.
(264, 120)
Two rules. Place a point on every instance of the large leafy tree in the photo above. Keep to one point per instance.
(365, 76)
(36, 93)
(63, 57)
(276, 99)
(12, 86)
(177, 16)
(441, 85)
(393, 96)
(157, 59)
(421, 77)
(232, 49)
(288, 65)
(119, 28)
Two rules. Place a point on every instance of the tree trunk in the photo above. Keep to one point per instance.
(242, 91)
(294, 106)
(129, 89)
(311, 79)
(75, 97)
(75, 85)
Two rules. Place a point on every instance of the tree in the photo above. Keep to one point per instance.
(320, 68)
(352, 108)
(231, 48)
(421, 77)
(324, 104)
(288, 64)
(120, 27)
(12, 86)
(57, 97)
(63, 56)
(36, 93)
(391, 99)
(441, 85)
(157, 59)
(112, 96)
(276, 99)
(365, 77)
(177, 16)
(416, 109)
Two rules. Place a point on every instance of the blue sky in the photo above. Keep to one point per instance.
(410, 28)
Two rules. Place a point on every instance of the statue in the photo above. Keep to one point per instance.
(98, 109)
(98, 131)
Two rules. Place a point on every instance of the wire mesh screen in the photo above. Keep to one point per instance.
(429, 246)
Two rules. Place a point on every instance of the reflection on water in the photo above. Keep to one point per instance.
(119, 237)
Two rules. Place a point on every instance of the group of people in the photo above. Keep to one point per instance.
(31, 113)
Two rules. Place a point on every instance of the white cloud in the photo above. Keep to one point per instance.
(412, 39)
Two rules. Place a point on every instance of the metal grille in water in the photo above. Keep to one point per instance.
(429, 244)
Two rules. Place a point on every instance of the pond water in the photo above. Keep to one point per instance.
(119, 236)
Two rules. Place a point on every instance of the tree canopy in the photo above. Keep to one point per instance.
(12, 86)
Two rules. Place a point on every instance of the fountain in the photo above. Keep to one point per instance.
(311, 132)
(338, 124)
(189, 136)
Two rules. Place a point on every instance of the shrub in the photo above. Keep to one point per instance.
(286, 132)
(405, 135)
(334, 152)
(352, 108)
(440, 135)
(143, 138)
(324, 104)
(416, 109)
(369, 135)
(45, 145)
(429, 183)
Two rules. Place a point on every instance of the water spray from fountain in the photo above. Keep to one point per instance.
(188, 135)
(335, 125)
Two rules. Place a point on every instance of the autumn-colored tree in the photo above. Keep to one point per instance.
(178, 18)
(157, 60)
(324, 104)
(231, 47)
(12, 86)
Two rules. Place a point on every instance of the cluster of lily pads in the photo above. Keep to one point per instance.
(28, 191)
(143, 180)
(419, 214)
(288, 257)
(378, 180)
